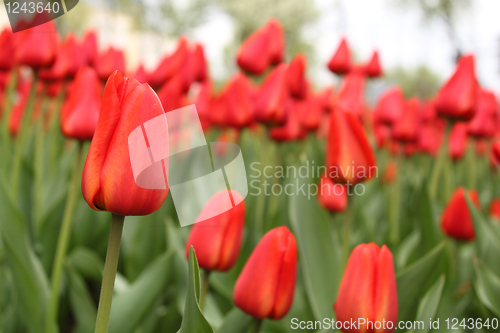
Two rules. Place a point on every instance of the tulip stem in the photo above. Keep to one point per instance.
(108, 279)
(204, 288)
(257, 326)
(62, 243)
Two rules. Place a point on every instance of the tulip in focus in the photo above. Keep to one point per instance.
(368, 290)
(266, 285)
(108, 182)
(332, 196)
(217, 240)
(456, 221)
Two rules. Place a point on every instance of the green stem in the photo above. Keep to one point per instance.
(439, 164)
(394, 198)
(257, 326)
(62, 243)
(204, 288)
(108, 279)
(349, 216)
(471, 163)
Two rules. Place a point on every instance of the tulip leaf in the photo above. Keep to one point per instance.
(432, 236)
(236, 321)
(193, 319)
(87, 262)
(487, 286)
(487, 239)
(131, 306)
(319, 259)
(414, 279)
(81, 303)
(429, 305)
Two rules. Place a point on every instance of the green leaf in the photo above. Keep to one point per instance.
(487, 286)
(87, 262)
(319, 259)
(429, 304)
(131, 306)
(414, 279)
(432, 236)
(193, 319)
(82, 304)
(236, 321)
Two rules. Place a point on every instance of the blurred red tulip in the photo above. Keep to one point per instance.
(7, 47)
(171, 94)
(456, 221)
(296, 77)
(291, 130)
(483, 124)
(351, 94)
(37, 47)
(54, 88)
(217, 241)
(495, 208)
(309, 111)
(69, 59)
(108, 62)
(456, 98)
(405, 128)
(276, 41)
(390, 106)
(141, 75)
(237, 97)
(80, 111)
(327, 99)
(368, 290)
(373, 68)
(332, 196)
(496, 150)
(270, 104)
(458, 141)
(170, 65)
(348, 152)
(202, 103)
(266, 285)
(430, 136)
(199, 63)
(89, 45)
(390, 172)
(382, 134)
(108, 182)
(340, 63)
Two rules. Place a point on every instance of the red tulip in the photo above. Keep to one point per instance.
(458, 141)
(80, 110)
(141, 74)
(368, 290)
(382, 134)
(171, 94)
(390, 106)
(202, 102)
(332, 196)
(495, 208)
(170, 65)
(291, 130)
(309, 111)
(327, 99)
(199, 63)
(430, 136)
(237, 96)
(37, 47)
(90, 47)
(269, 108)
(266, 284)
(69, 59)
(373, 68)
(456, 99)
(456, 221)
(349, 156)
(296, 77)
(340, 63)
(483, 124)
(351, 94)
(108, 62)
(7, 47)
(276, 41)
(108, 182)
(496, 150)
(217, 240)
(405, 128)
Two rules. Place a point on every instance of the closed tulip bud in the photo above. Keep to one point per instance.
(141, 75)
(332, 196)
(170, 65)
(456, 99)
(80, 110)
(458, 141)
(270, 104)
(351, 94)
(276, 41)
(69, 59)
(108, 62)
(405, 128)
(340, 63)
(456, 221)
(495, 208)
(266, 285)
(296, 77)
(217, 240)
(349, 156)
(390, 106)
(373, 68)
(430, 136)
(382, 134)
(309, 111)
(368, 290)
(89, 46)
(171, 94)
(237, 96)
(291, 130)
(37, 47)
(483, 124)
(7, 47)
(108, 181)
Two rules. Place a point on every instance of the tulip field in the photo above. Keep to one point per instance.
(353, 217)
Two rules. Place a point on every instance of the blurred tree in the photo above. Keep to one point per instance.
(445, 10)
(421, 81)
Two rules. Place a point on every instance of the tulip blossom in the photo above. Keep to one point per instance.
(269, 108)
(80, 110)
(170, 65)
(217, 240)
(390, 106)
(483, 124)
(266, 285)
(456, 220)
(237, 96)
(7, 47)
(349, 156)
(340, 63)
(368, 290)
(108, 182)
(108, 62)
(309, 111)
(405, 128)
(327, 99)
(458, 141)
(69, 59)
(373, 68)
(382, 134)
(332, 196)
(296, 77)
(456, 98)
(291, 130)
(495, 208)
(141, 75)
(89, 46)
(351, 94)
(430, 136)
(37, 47)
